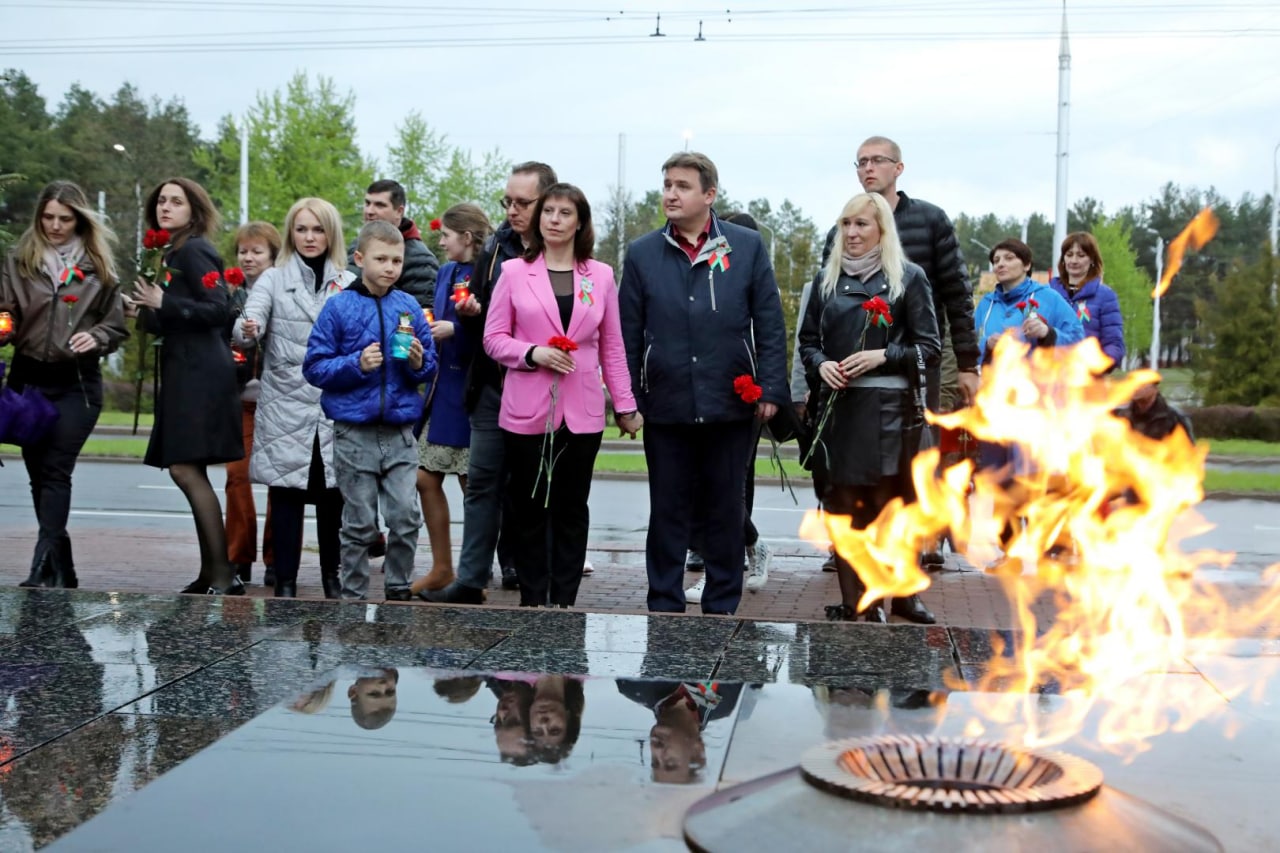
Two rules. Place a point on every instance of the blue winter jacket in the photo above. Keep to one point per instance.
(999, 311)
(1098, 309)
(347, 324)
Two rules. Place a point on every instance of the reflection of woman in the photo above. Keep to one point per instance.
(556, 292)
(1079, 282)
(555, 717)
(863, 367)
(293, 440)
(510, 719)
(681, 712)
(257, 246)
(60, 289)
(197, 420)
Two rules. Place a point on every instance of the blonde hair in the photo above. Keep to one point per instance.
(330, 223)
(892, 258)
(96, 237)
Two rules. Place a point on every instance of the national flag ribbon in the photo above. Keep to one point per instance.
(70, 274)
(1082, 311)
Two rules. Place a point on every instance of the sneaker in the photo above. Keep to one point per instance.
(510, 580)
(587, 568)
(693, 595)
(758, 558)
(693, 561)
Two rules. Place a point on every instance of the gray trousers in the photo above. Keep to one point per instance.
(375, 461)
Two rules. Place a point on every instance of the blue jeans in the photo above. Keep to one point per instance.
(375, 461)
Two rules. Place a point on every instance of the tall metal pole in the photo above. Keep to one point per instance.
(1064, 117)
(137, 197)
(102, 205)
(622, 199)
(1155, 313)
(244, 172)
(1275, 216)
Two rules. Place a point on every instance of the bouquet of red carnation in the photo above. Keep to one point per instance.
(563, 344)
(151, 265)
(745, 387)
(877, 315)
(1028, 308)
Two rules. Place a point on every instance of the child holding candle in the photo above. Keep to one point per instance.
(445, 445)
(374, 402)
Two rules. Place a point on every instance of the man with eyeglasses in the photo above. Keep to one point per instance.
(482, 504)
(929, 240)
(386, 200)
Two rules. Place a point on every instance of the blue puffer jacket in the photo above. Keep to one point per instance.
(1098, 309)
(998, 311)
(350, 322)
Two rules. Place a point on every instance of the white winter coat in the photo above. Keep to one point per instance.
(285, 305)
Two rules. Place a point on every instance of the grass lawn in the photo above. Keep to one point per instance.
(1244, 447)
(1241, 481)
(125, 419)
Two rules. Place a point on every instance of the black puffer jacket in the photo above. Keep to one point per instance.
(418, 278)
(929, 241)
(503, 245)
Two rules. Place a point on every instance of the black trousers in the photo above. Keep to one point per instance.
(550, 525)
(749, 532)
(288, 510)
(51, 461)
(688, 464)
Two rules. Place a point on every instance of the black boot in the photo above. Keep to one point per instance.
(233, 588)
(199, 586)
(454, 593)
(912, 609)
(510, 580)
(286, 589)
(841, 613)
(64, 567)
(331, 582)
(42, 570)
(244, 571)
(875, 614)
(269, 576)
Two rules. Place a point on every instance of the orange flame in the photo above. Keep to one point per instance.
(1199, 231)
(1124, 592)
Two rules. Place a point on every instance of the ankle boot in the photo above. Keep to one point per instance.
(64, 568)
(331, 582)
(42, 571)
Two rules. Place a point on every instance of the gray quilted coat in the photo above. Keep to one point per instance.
(285, 304)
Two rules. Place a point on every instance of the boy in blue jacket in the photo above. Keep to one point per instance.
(369, 373)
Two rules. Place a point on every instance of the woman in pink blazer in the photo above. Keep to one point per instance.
(553, 323)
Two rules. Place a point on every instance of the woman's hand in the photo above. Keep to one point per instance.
(1034, 327)
(469, 307)
(130, 307)
(629, 424)
(442, 330)
(249, 328)
(862, 362)
(148, 295)
(831, 373)
(557, 360)
(82, 343)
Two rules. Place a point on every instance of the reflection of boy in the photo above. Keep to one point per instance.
(373, 698)
(369, 378)
(681, 711)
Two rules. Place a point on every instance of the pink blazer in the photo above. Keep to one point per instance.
(523, 313)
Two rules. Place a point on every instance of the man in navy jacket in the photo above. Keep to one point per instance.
(706, 346)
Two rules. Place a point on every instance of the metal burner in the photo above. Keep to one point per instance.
(950, 775)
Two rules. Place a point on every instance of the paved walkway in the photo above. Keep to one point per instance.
(116, 559)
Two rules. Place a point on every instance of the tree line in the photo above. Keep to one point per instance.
(302, 141)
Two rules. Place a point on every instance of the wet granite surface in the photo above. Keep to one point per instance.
(118, 714)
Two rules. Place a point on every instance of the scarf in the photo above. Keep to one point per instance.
(864, 267)
(59, 258)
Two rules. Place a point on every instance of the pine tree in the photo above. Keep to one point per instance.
(1240, 363)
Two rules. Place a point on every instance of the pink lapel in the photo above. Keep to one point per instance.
(539, 283)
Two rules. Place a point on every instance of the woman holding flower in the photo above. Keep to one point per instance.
(60, 299)
(553, 323)
(868, 326)
(197, 410)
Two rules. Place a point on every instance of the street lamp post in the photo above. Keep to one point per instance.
(1275, 216)
(137, 197)
(984, 247)
(1155, 311)
(142, 336)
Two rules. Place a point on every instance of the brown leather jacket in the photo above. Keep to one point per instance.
(45, 317)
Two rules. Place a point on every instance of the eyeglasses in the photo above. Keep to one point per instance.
(878, 160)
(520, 203)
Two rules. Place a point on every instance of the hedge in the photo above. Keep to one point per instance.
(1236, 422)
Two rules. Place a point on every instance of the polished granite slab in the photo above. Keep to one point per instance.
(101, 695)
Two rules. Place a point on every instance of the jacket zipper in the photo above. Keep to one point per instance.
(751, 358)
(644, 369)
(382, 338)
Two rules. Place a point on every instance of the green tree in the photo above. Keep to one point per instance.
(24, 147)
(1130, 282)
(1240, 361)
(302, 142)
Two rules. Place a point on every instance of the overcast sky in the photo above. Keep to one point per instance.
(778, 96)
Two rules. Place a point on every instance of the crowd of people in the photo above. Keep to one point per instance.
(358, 377)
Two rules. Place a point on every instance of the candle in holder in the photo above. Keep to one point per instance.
(428, 315)
(461, 290)
(6, 324)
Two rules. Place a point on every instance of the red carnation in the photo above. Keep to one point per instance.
(1034, 305)
(71, 299)
(563, 344)
(1021, 306)
(746, 388)
(878, 312)
(435, 224)
(211, 279)
(234, 276)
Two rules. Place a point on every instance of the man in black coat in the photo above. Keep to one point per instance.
(386, 200)
(706, 347)
(482, 505)
(929, 240)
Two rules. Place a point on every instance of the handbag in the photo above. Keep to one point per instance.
(25, 416)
